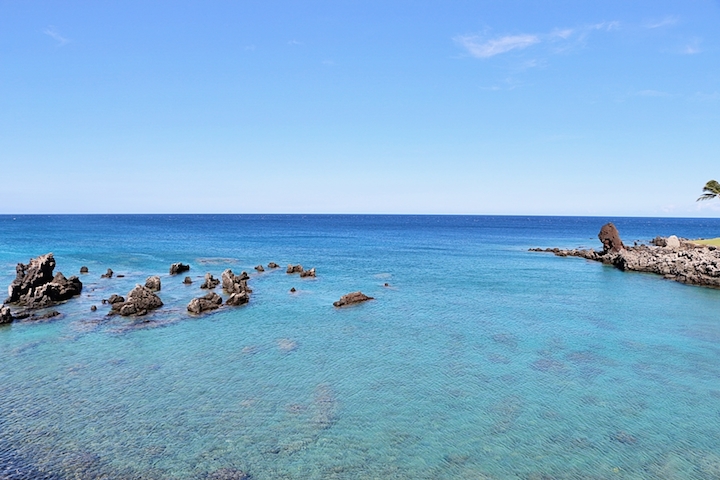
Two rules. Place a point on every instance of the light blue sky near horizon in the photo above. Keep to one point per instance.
(470, 107)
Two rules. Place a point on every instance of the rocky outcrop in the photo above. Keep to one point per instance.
(153, 283)
(308, 273)
(139, 302)
(237, 299)
(210, 282)
(5, 315)
(232, 283)
(351, 299)
(176, 268)
(273, 265)
(260, 268)
(211, 301)
(107, 274)
(35, 286)
(294, 269)
(610, 238)
(677, 260)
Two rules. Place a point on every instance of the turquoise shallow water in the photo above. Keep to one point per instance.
(480, 361)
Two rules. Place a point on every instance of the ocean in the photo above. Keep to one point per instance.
(478, 360)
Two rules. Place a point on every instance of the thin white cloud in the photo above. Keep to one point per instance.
(54, 34)
(294, 42)
(665, 22)
(479, 48)
(652, 93)
(691, 49)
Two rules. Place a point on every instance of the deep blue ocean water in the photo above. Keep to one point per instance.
(481, 360)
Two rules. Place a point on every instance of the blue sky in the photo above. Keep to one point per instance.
(464, 107)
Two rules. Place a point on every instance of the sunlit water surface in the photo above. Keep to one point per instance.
(480, 360)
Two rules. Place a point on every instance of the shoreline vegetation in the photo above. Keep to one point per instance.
(694, 262)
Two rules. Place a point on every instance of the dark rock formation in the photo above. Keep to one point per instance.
(237, 299)
(294, 269)
(35, 286)
(107, 274)
(610, 238)
(292, 290)
(84, 269)
(273, 265)
(115, 299)
(153, 283)
(139, 301)
(210, 282)
(232, 283)
(93, 308)
(686, 262)
(176, 268)
(260, 268)
(5, 315)
(308, 273)
(187, 281)
(351, 299)
(211, 301)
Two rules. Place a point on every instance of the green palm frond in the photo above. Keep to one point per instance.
(711, 189)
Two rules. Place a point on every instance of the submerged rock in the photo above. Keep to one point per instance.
(211, 301)
(351, 299)
(176, 268)
(139, 302)
(210, 282)
(35, 286)
(107, 274)
(228, 474)
(153, 283)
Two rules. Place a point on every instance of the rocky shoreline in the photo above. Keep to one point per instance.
(673, 258)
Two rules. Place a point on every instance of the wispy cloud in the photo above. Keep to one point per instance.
(294, 42)
(665, 22)
(54, 34)
(691, 48)
(480, 48)
(653, 93)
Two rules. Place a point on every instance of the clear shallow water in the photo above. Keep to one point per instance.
(481, 360)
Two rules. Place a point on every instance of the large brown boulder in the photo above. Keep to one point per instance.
(351, 299)
(153, 283)
(35, 286)
(210, 301)
(610, 239)
(139, 301)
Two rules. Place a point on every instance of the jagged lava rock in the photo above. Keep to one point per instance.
(351, 299)
(139, 301)
(294, 269)
(210, 301)
(153, 283)
(308, 273)
(210, 282)
(176, 268)
(35, 285)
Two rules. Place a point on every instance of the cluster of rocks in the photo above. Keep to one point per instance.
(674, 258)
(36, 286)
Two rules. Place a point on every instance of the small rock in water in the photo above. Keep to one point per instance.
(260, 268)
(294, 269)
(187, 281)
(120, 276)
(107, 274)
(211, 301)
(210, 282)
(273, 265)
(386, 284)
(351, 299)
(84, 269)
(176, 268)
(292, 290)
(308, 273)
(5, 315)
(93, 308)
